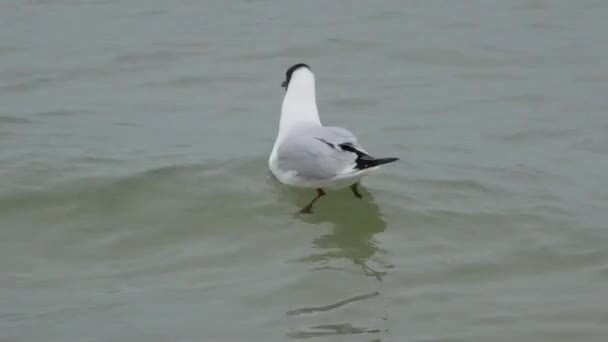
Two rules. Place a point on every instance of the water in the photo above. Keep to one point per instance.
(136, 205)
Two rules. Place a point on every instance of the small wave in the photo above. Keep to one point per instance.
(34, 84)
(61, 113)
(354, 102)
(309, 310)
(332, 329)
(445, 57)
(13, 120)
(354, 43)
(96, 160)
(103, 194)
(190, 81)
(539, 135)
(455, 184)
(162, 55)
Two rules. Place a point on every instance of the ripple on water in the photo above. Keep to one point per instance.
(447, 57)
(61, 113)
(35, 83)
(14, 120)
(332, 329)
(102, 209)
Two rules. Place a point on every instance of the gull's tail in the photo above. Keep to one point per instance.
(366, 161)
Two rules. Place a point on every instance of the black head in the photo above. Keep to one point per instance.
(290, 71)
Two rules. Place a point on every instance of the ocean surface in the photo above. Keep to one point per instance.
(136, 204)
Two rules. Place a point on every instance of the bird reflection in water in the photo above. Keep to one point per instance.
(354, 224)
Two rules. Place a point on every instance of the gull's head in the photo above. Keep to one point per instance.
(297, 73)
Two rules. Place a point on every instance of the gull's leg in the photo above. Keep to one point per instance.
(354, 188)
(308, 209)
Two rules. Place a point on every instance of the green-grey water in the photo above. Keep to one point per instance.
(136, 204)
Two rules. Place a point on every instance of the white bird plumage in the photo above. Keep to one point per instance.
(307, 154)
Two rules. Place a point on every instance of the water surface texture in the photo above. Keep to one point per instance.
(136, 204)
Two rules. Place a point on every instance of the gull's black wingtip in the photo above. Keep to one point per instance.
(382, 161)
(365, 162)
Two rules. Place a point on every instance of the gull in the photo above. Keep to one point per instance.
(307, 154)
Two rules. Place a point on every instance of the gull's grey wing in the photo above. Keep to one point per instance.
(315, 153)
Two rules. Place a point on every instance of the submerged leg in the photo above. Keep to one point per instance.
(354, 188)
(308, 209)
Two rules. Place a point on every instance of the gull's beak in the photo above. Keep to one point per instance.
(284, 84)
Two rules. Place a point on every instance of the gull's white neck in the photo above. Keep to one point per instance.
(299, 105)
